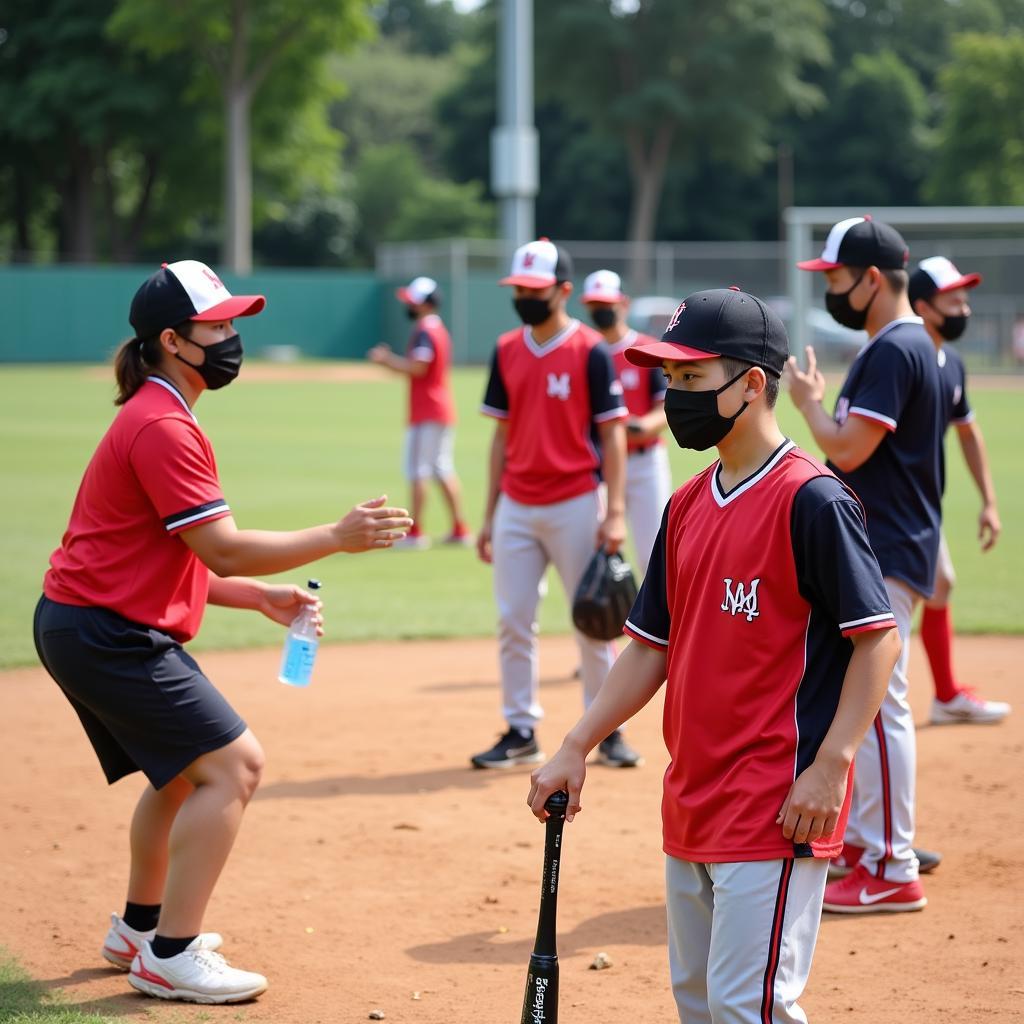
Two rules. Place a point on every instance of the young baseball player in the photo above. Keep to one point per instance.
(648, 477)
(885, 441)
(938, 293)
(150, 542)
(764, 609)
(430, 438)
(559, 430)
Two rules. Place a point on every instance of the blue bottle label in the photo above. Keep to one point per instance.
(297, 662)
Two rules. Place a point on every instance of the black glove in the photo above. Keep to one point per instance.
(604, 596)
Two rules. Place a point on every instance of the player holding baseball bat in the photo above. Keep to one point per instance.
(764, 609)
(540, 1000)
(150, 542)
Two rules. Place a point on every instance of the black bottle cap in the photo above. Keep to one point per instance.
(314, 584)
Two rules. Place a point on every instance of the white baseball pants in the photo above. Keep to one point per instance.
(648, 488)
(882, 808)
(741, 938)
(525, 539)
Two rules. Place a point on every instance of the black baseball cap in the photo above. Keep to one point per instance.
(861, 242)
(186, 290)
(719, 322)
(936, 275)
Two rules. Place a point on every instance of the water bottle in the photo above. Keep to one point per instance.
(300, 646)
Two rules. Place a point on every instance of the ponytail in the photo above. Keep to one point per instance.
(133, 363)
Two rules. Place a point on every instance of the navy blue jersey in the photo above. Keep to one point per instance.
(954, 386)
(895, 381)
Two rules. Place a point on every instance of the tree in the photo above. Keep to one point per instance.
(244, 44)
(419, 26)
(981, 135)
(675, 78)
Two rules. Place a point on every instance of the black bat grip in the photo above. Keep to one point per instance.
(555, 806)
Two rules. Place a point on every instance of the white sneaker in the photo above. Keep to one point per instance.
(122, 942)
(419, 542)
(198, 975)
(968, 707)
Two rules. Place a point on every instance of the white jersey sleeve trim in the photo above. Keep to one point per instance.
(964, 420)
(647, 636)
(870, 414)
(612, 414)
(854, 623)
(490, 410)
(177, 522)
(422, 355)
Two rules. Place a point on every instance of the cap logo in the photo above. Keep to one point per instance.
(528, 259)
(212, 277)
(675, 317)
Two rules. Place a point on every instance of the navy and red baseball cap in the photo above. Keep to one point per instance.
(186, 290)
(719, 322)
(936, 275)
(861, 242)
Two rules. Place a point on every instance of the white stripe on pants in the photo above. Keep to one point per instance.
(525, 539)
(741, 938)
(648, 488)
(882, 808)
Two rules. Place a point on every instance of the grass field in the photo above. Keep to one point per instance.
(24, 1001)
(301, 452)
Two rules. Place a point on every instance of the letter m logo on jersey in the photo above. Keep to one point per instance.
(558, 386)
(740, 600)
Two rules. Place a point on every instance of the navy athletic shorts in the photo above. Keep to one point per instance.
(142, 699)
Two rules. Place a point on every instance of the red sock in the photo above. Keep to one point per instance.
(937, 637)
(414, 530)
(460, 529)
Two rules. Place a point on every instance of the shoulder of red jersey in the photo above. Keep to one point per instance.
(510, 337)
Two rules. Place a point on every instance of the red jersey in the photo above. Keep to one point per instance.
(553, 396)
(430, 396)
(752, 594)
(152, 475)
(642, 387)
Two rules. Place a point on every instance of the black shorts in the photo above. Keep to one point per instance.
(142, 699)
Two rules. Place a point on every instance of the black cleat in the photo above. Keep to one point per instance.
(615, 752)
(517, 746)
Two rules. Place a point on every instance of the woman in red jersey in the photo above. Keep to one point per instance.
(151, 540)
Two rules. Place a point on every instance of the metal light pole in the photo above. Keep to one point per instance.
(514, 162)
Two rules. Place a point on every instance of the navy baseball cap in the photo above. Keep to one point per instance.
(186, 290)
(861, 242)
(936, 275)
(719, 322)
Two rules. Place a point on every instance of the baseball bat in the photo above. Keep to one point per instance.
(540, 1002)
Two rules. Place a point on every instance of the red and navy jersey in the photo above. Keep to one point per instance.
(895, 381)
(642, 387)
(430, 396)
(752, 594)
(152, 476)
(552, 396)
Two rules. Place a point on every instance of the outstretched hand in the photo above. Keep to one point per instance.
(372, 525)
(805, 388)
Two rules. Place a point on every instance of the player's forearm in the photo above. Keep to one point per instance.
(867, 678)
(634, 679)
(972, 444)
(265, 552)
(843, 446)
(613, 465)
(235, 591)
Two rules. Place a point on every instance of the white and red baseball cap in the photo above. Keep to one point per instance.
(936, 275)
(539, 264)
(602, 286)
(418, 290)
(186, 290)
(861, 242)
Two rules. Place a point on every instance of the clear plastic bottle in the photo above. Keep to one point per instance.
(300, 646)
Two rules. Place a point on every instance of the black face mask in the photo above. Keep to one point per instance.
(694, 419)
(411, 313)
(222, 364)
(603, 317)
(952, 327)
(533, 311)
(838, 305)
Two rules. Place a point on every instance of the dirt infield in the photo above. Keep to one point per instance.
(376, 870)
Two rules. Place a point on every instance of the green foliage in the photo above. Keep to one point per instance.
(981, 137)
(420, 26)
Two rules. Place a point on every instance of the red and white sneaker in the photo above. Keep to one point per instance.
(848, 859)
(122, 943)
(967, 707)
(460, 537)
(197, 975)
(861, 893)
